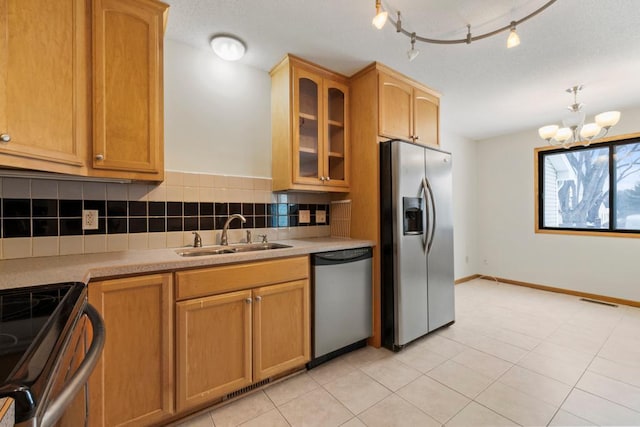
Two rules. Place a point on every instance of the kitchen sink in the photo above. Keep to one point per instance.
(231, 249)
(250, 247)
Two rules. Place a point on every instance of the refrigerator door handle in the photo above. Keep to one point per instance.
(427, 186)
(425, 195)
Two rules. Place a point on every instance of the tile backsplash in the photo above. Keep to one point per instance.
(44, 217)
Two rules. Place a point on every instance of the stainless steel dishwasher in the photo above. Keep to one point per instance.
(341, 302)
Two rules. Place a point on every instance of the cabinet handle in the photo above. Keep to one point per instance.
(328, 178)
(322, 178)
(99, 157)
(248, 300)
(416, 137)
(5, 137)
(258, 298)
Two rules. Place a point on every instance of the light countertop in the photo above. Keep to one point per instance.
(82, 268)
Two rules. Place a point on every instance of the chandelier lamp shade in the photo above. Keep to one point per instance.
(513, 40)
(574, 131)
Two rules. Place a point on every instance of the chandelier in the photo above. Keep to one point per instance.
(513, 39)
(574, 130)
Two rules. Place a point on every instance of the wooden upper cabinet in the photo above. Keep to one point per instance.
(337, 152)
(127, 88)
(308, 137)
(426, 117)
(44, 53)
(310, 127)
(133, 382)
(406, 110)
(396, 108)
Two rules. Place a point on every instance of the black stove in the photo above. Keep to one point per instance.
(35, 323)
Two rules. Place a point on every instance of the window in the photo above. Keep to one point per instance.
(594, 188)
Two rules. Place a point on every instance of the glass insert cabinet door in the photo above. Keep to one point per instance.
(320, 117)
(336, 133)
(308, 132)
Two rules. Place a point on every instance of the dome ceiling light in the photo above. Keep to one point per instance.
(228, 47)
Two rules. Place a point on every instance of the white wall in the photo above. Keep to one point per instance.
(217, 114)
(465, 201)
(217, 120)
(506, 240)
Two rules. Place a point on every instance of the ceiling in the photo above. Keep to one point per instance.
(487, 90)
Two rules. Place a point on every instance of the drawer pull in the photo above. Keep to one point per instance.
(5, 137)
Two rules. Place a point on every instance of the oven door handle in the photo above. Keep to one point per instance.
(55, 410)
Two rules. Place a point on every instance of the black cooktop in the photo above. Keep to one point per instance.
(34, 322)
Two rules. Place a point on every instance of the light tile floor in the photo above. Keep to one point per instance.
(515, 356)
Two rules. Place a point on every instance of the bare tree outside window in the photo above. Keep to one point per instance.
(578, 186)
(627, 194)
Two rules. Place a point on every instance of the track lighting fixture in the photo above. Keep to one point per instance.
(513, 40)
(413, 52)
(381, 16)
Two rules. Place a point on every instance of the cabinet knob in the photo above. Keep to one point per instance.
(248, 300)
(258, 298)
(5, 137)
(322, 178)
(99, 157)
(328, 178)
(416, 137)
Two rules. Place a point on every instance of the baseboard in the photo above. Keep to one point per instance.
(466, 279)
(562, 291)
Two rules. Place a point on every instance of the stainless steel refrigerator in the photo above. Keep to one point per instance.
(417, 241)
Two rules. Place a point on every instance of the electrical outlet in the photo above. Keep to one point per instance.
(321, 217)
(89, 219)
(304, 217)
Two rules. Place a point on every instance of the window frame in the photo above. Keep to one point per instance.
(539, 154)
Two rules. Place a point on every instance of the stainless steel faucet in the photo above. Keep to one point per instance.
(197, 240)
(224, 240)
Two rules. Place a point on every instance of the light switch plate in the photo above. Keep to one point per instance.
(89, 219)
(304, 217)
(321, 217)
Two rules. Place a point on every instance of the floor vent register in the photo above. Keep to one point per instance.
(593, 301)
(246, 389)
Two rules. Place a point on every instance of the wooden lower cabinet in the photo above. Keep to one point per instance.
(213, 335)
(233, 339)
(281, 328)
(133, 382)
(234, 325)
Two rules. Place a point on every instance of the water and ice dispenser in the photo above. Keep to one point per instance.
(412, 215)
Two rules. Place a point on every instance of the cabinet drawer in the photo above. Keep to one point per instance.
(216, 280)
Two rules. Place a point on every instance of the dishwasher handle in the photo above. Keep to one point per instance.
(342, 256)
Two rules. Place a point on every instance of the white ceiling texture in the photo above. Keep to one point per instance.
(487, 89)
